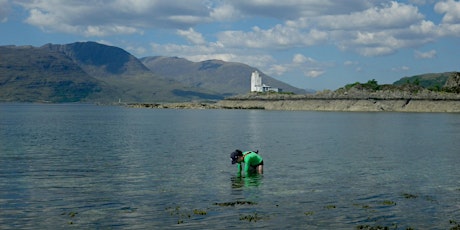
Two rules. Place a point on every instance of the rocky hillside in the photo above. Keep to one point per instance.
(36, 75)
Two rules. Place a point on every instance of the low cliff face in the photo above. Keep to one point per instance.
(350, 105)
(355, 105)
(410, 98)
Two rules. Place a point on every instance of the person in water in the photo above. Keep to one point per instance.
(253, 162)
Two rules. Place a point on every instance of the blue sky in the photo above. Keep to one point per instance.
(311, 44)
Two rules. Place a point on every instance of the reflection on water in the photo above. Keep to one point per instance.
(252, 180)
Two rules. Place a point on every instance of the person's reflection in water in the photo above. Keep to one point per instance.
(251, 180)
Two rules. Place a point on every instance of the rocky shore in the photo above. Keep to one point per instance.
(318, 104)
(351, 100)
(351, 105)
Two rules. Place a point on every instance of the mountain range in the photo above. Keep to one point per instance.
(93, 72)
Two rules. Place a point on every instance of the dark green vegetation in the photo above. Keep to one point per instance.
(441, 82)
(235, 203)
(92, 72)
(252, 218)
(71, 215)
(433, 81)
(183, 214)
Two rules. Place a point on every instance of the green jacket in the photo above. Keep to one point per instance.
(250, 159)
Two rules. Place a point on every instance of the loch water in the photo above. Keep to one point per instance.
(65, 166)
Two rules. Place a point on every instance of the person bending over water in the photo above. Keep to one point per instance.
(253, 162)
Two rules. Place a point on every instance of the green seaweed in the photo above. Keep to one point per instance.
(378, 227)
(182, 214)
(309, 213)
(226, 204)
(409, 196)
(251, 218)
(71, 215)
(388, 202)
(199, 212)
(456, 225)
(364, 206)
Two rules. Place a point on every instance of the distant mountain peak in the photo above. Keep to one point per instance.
(110, 60)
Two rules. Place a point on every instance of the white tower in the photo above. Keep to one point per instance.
(256, 82)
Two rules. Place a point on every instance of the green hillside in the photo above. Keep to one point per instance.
(430, 81)
(34, 75)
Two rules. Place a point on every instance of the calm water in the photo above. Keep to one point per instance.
(86, 166)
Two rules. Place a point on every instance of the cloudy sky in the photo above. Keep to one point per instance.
(314, 44)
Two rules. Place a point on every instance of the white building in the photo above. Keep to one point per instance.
(258, 86)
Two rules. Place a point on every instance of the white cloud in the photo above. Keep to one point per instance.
(104, 18)
(350, 63)
(293, 9)
(450, 25)
(424, 29)
(372, 31)
(224, 12)
(192, 36)
(277, 37)
(380, 30)
(400, 69)
(425, 55)
(375, 51)
(314, 73)
(277, 70)
(450, 9)
(299, 63)
(300, 59)
(418, 2)
(4, 10)
(392, 16)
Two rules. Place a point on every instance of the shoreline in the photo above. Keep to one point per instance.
(440, 105)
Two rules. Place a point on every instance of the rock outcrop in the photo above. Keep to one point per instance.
(453, 83)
